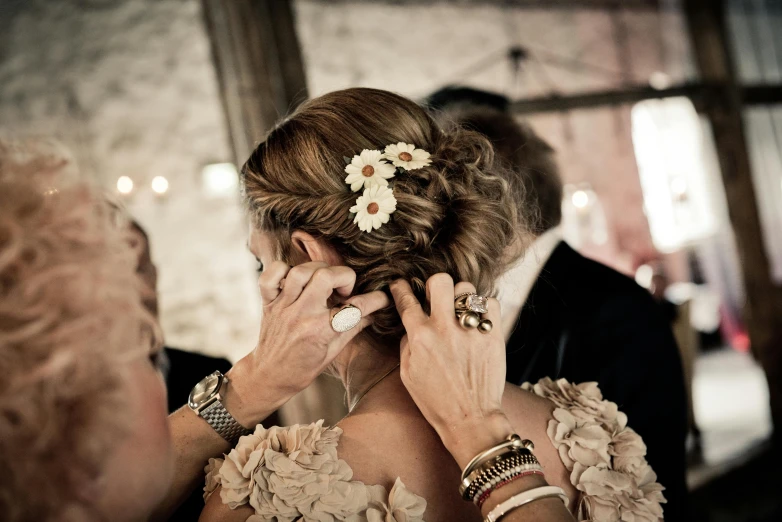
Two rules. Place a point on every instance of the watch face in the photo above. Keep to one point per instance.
(204, 390)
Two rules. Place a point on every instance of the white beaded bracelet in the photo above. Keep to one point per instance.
(525, 498)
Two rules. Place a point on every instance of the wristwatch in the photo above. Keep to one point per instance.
(205, 400)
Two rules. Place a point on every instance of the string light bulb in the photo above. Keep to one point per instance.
(580, 199)
(124, 185)
(160, 185)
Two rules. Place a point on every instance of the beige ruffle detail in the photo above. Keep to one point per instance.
(293, 473)
(398, 506)
(605, 457)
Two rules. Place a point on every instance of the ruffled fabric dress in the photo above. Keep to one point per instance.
(294, 474)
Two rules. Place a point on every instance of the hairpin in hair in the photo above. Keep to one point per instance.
(370, 170)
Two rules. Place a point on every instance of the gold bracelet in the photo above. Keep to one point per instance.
(513, 441)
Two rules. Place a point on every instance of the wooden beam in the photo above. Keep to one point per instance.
(762, 95)
(597, 99)
(763, 308)
(259, 66)
(700, 94)
(627, 5)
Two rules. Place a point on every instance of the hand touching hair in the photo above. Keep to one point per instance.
(454, 216)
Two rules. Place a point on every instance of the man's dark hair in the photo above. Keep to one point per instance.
(529, 158)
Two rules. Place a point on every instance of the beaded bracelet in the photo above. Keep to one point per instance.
(484, 495)
(500, 468)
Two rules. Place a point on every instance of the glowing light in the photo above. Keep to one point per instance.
(124, 185)
(659, 80)
(580, 199)
(675, 169)
(160, 184)
(220, 179)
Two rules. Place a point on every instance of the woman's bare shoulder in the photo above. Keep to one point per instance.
(385, 444)
(396, 442)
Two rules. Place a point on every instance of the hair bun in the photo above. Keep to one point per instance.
(454, 215)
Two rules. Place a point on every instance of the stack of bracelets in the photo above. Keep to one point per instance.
(501, 465)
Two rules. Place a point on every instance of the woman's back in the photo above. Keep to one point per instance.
(385, 439)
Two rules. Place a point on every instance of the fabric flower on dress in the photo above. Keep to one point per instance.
(213, 478)
(406, 156)
(292, 474)
(368, 169)
(374, 208)
(584, 398)
(582, 442)
(606, 459)
(398, 506)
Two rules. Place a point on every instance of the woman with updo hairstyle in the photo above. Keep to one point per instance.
(453, 216)
(366, 179)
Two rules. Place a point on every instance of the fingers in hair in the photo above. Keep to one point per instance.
(407, 304)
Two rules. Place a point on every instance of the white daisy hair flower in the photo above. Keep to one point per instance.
(368, 169)
(374, 208)
(406, 156)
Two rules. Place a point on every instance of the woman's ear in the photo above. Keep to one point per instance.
(308, 248)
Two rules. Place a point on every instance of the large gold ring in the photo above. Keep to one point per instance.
(469, 308)
(346, 318)
(472, 302)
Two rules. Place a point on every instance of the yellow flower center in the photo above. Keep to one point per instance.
(368, 171)
(373, 208)
(405, 156)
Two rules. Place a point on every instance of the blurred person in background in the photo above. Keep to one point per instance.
(83, 430)
(566, 316)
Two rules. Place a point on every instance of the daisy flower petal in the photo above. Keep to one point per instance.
(374, 207)
(406, 156)
(368, 169)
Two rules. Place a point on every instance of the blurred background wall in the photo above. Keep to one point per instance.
(130, 88)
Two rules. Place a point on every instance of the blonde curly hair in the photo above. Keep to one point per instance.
(456, 215)
(70, 321)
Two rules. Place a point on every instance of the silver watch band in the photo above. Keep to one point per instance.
(223, 422)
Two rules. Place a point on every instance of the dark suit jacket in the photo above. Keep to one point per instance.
(586, 322)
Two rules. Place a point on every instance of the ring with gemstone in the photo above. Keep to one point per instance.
(469, 308)
(471, 302)
(346, 318)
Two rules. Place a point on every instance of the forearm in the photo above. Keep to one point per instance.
(195, 441)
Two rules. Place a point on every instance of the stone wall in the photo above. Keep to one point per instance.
(129, 87)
